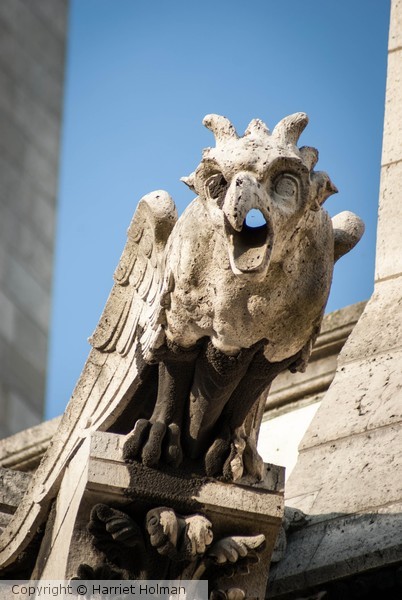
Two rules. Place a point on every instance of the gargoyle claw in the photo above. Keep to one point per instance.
(152, 450)
(136, 439)
(150, 442)
(174, 453)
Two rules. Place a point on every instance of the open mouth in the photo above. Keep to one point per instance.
(250, 247)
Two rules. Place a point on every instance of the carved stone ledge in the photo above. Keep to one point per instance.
(331, 548)
(375, 584)
(240, 518)
(12, 488)
(24, 450)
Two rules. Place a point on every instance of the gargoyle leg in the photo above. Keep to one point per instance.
(216, 377)
(162, 433)
(254, 382)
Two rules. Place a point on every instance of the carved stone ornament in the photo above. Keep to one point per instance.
(206, 310)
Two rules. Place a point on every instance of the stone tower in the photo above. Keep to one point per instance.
(32, 53)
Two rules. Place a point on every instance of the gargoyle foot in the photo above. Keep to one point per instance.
(216, 456)
(234, 456)
(178, 537)
(153, 442)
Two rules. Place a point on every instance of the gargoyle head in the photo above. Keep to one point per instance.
(259, 171)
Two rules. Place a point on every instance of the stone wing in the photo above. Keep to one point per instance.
(134, 302)
(114, 367)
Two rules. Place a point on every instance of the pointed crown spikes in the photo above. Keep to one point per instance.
(256, 127)
(290, 128)
(287, 131)
(221, 127)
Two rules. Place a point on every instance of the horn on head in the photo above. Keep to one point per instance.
(221, 127)
(257, 127)
(290, 128)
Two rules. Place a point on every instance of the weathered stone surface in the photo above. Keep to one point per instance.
(379, 329)
(13, 485)
(388, 256)
(342, 473)
(34, 35)
(375, 401)
(395, 29)
(18, 375)
(24, 450)
(392, 140)
(338, 547)
(235, 515)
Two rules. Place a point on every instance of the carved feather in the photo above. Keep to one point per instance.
(138, 277)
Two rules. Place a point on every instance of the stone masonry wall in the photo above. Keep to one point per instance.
(32, 52)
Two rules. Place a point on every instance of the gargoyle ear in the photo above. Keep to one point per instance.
(189, 181)
(322, 188)
(348, 229)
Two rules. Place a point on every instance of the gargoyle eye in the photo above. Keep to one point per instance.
(216, 185)
(286, 186)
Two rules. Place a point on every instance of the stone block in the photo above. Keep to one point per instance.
(374, 401)
(229, 510)
(27, 225)
(54, 13)
(18, 375)
(24, 450)
(41, 171)
(21, 414)
(392, 139)
(3, 260)
(12, 141)
(37, 255)
(341, 546)
(9, 227)
(43, 217)
(342, 473)
(7, 318)
(29, 74)
(12, 186)
(379, 329)
(395, 30)
(388, 254)
(27, 293)
(38, 123)
(31, 340)
(25, 155)
(33, 35)
(12, 487)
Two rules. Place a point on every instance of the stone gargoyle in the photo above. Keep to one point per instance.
(205, 311)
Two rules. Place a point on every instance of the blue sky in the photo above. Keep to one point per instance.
(141, 75)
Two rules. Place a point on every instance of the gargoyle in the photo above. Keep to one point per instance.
(205, 311)
(237, 304)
